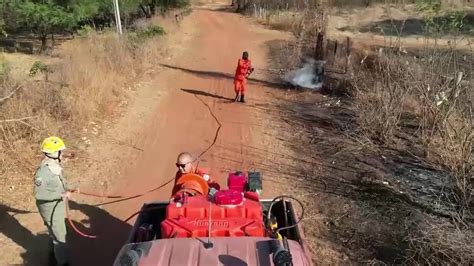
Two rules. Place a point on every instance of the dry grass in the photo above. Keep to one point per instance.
(284, 20)
(424, 106)
(416, 104)
(443, 116)
(88, 82)
(435, 242)
(378, 98)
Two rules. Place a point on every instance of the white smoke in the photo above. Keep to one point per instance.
(309, 76)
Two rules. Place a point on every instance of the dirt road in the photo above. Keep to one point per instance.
(176, 111)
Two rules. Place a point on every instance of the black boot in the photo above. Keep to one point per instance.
(51, 256)
(237, 98)
(242, 100)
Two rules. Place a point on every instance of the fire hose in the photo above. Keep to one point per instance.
(68, 216)
(124, 198)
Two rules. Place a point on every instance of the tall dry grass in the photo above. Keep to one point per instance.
(94, 73)
(87, 82)
(423, 105)
(441, 120)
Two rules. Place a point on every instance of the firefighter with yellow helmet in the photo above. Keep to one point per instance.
(49, 190)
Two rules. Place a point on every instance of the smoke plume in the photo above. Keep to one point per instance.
(309, 76)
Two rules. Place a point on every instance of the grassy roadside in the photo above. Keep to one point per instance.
(85, 83)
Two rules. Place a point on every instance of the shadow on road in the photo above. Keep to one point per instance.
(36, 246)
(215, 74)
(207, 94)
(111, 234)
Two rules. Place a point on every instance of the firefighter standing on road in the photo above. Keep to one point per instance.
(49, 191)
(244, 69)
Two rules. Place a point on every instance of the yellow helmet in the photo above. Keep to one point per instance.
(52, 145)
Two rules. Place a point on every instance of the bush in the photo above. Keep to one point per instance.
(150, 32)
(141, 35)
(85, 30)
(38, 66)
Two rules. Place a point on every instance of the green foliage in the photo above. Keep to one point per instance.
(38, 66)
(436, 22)
(181, 3)
(85, 9)
(151, 31)
(85, 30)
(455, 20)
(9, 15)
(141, 35)
(430, 9)
(428, 6)
(44, 18)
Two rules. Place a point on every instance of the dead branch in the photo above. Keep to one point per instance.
(29, 125)
(17, 119)
(11, 93)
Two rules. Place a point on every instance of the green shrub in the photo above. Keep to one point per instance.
(141, 35)
(150, 32)
(38, 66)
(85, 30)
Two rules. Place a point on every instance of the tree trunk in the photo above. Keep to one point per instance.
(44, 41)
(147, 14)
(241, 5)
(319, 46)
(52, 40)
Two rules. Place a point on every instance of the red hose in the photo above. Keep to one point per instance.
(98, 196)
(66, 201)
(126, 197)
(68, 216)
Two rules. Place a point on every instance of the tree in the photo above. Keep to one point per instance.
(8, 16)
(43, 19)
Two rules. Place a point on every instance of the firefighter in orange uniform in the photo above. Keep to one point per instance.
(185, 165)
(244, 69)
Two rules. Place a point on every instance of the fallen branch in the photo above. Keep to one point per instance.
(28, 125)
(11, 93)
(17, 119)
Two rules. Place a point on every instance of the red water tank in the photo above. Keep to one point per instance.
(191, 219)
(237, 181)
(228, 197)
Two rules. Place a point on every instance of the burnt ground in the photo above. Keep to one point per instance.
(367, 204)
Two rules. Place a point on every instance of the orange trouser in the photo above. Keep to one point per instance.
(240, 86)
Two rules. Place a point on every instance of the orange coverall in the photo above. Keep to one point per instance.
(240, 78)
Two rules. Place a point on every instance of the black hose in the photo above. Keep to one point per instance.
(290, 197)
(216, 135)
